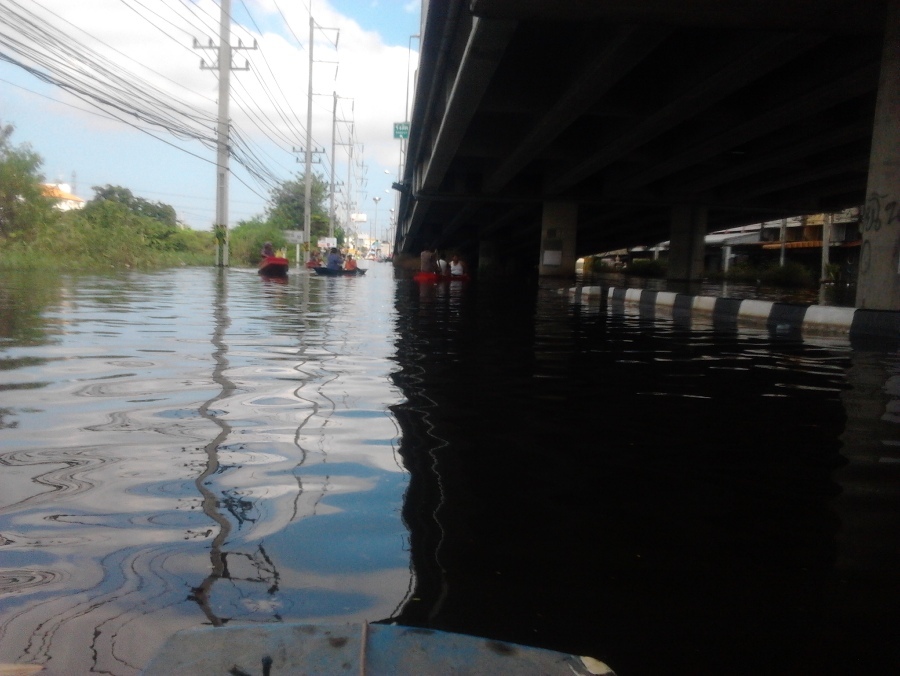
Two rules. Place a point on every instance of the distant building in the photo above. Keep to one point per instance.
(62, 193)
(759, 244)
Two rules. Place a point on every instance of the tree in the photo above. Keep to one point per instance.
(158, 211)
(23, 206)
(286, 206)
(246, 240)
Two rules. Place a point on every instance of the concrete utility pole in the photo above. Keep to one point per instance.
(223, 145)
(222, 136)
(334, 143)
(350, 179)
(307, 179)
(333, 161)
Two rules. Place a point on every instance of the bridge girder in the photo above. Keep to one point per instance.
(630, 107)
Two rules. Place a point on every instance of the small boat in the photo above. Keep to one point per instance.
(376, 649)
(437, 277)
(274, 266)
(328, 272)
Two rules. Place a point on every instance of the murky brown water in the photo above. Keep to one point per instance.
(193, 447)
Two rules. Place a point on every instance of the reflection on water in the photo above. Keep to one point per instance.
(203, 447)
(666, 498)
(194, 447)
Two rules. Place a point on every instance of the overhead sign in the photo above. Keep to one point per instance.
(401, 129)
(293, 236)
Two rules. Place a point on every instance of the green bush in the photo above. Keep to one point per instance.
(743, 273)
(108, 235)
(647, 267)
(247, 239)
(790, 275)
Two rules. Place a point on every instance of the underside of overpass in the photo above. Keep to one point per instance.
(630, 109)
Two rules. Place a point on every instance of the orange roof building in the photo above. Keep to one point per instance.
(61, 192)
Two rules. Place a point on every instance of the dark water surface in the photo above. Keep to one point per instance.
(199, 447)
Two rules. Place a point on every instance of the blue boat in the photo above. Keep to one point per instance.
(329, 272)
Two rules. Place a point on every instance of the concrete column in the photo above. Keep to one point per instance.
(488, 261)
(687, 243)
(826, 246)
(559, 224)
(878, 286)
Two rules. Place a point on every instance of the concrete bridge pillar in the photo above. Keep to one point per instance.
(488, 259)
(687, 242)
(878, 286)
(559, 226)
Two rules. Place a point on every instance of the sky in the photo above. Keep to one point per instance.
(155, 132)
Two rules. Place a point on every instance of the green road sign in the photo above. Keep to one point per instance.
(401, 129)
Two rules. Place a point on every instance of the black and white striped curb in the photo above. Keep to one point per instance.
(856, 324)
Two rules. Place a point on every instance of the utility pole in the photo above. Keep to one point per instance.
(307, 197)
(334, 143)
(373, 231)
(222, 129)
(350, 177)
(333, 162)
(223, 145)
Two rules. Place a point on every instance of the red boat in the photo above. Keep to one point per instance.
(274, 266)
(436, 277)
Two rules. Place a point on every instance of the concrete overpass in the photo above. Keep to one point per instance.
(545, 130)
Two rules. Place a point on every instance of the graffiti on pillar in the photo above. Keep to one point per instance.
(879, 212)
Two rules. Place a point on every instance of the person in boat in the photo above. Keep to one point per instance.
(426, 260)
(314, 260)
(268, 250)
(350, 263)
(457, 267)
(334, 261)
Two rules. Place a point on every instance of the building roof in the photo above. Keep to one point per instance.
(59, 192)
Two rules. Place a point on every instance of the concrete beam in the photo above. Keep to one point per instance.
(608, 65)
(484, 47)
(762, 57)
(849, 17)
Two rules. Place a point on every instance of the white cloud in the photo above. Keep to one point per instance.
(153, 43)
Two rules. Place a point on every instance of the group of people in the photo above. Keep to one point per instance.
(333, 260)
(432, 261)
(336, 261)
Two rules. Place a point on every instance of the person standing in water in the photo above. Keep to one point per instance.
(457, 267)
(443, 268)
(426, 260)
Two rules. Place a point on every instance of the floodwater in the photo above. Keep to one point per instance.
(199, 447)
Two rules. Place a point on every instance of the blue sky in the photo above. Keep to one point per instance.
(151, 42)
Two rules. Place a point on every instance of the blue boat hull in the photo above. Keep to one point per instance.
(328, 272)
